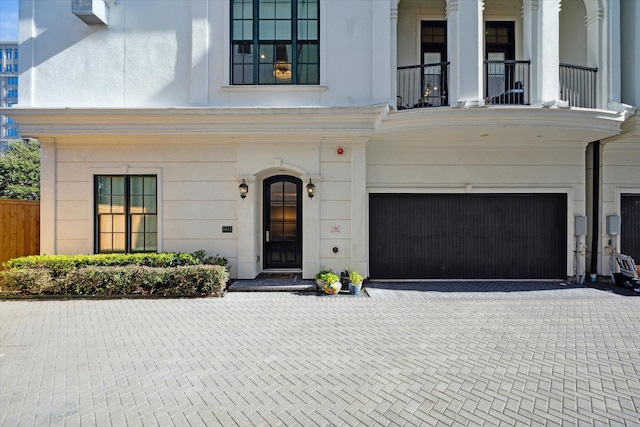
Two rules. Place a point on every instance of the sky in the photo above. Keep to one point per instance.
(9, 20)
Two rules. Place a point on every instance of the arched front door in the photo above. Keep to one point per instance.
(282, 245)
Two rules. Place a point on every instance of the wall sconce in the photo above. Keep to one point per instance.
(311, 189)
(244, 189)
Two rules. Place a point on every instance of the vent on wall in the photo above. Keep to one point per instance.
(91, 11)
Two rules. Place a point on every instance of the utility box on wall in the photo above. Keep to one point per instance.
(613, 225)
(580, 226)
(91, 11)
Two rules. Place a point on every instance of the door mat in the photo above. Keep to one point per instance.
(277, 275)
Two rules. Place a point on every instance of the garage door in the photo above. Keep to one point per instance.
(468, 236)
(630, 226)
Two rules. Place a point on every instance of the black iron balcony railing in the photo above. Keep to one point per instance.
(507, 82)
(422, 86)
(578, 85)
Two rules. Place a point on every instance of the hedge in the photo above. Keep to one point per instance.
(61, 265)
(186, 281)
(161, 274)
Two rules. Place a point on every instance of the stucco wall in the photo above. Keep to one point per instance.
(410, 13)
(176, 53)
(620, 172)
(198, 194)
(573, 33)
(196, 187)
(482, 168)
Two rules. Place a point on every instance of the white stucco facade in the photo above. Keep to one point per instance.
(150, 94)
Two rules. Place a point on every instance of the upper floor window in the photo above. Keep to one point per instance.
(12, 81)
(8, 68)
(8, 54)
(12, 93)
(275, 42)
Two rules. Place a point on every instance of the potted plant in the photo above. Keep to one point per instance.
(355, 281)
(328, 282)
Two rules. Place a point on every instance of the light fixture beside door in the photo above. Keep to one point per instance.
(311, 189)
(244, 189)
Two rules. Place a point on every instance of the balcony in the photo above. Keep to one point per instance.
(507, 82)
(423, 86)
(578, 85)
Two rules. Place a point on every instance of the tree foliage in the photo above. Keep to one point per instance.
(20, 171)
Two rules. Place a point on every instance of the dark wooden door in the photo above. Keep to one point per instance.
(282, 222)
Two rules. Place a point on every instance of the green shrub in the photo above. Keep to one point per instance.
(104, 281)
(185, 281)
(199, 280)
(202, 258)
(29, 281)
(61, 265)
(167, 274)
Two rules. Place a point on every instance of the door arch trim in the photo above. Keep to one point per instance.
(250, 249)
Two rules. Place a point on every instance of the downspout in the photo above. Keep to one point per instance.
(595, 208)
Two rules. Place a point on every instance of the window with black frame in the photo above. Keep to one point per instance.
(501, 72)
(275, 42)
(126, 213)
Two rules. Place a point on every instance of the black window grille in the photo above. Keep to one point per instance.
(126, 213)
(275, 42)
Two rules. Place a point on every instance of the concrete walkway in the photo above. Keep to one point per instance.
(474, 354)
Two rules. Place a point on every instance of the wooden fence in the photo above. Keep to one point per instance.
(19, 228)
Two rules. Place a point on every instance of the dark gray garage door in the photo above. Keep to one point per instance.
(468, 236)
(630, 226)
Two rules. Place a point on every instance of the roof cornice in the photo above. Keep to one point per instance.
(40, 122)
(516, 123)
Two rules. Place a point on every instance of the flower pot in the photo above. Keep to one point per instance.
(331, 288)
(354, 289)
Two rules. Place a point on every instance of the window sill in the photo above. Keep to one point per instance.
(275, 88)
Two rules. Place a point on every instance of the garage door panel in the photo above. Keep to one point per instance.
(452, 236)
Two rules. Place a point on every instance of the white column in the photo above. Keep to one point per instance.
(613, 64)
(48, 181)
(199, 52)
(547, 60)
(451, 11)
(394, 51)
(248, 236)
(465, 35)
(630, 59)
(381, 41)
(359, 203)
(595, 46)
(530, 42)
(27, 36)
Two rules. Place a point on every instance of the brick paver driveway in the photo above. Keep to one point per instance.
(548, 356)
